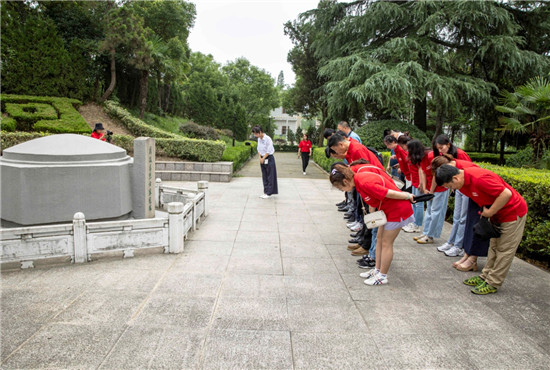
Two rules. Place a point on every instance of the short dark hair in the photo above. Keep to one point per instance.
(344, 124)
(328, 133)
(390, 139)
(387, 132)
(335, 139)
(445, 173)
(257, 129)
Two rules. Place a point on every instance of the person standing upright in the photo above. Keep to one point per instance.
(304, 150)
(267, 162)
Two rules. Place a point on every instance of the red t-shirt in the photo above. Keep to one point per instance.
(374, 187)
(462, 155)
(426, 166)
(461, 164)
(415, 178)
(97, 135)
(401, 156)
(357, 151)
(484, 186)
(304, 146)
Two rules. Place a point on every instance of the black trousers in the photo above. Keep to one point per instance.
(305, 160)
(472, 245)
(269, 176)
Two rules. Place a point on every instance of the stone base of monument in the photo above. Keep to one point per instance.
(178, 212)
(194, 171)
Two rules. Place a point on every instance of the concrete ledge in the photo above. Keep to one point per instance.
(193, 176)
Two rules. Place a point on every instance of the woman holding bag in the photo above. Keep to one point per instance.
(378, 190)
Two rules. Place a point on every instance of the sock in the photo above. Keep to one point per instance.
(376, 271)
(383, 276)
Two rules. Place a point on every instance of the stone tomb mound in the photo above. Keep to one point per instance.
(48, 180)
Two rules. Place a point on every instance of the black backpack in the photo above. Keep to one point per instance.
(377, 154)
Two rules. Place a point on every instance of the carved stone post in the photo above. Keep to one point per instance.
(175, 225)
(203, 186)
(158, 184)
(79, 236)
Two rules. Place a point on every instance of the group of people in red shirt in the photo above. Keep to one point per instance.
(478, 193)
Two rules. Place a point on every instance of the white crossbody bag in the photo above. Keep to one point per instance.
(374, 219)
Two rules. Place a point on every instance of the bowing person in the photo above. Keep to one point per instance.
(267, 162)
(503, 205)
(378, 191)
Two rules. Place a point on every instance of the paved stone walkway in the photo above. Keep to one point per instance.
(288, 166)
(270, 284)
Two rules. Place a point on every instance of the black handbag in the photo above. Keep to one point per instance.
(423, 197)
(485, 229)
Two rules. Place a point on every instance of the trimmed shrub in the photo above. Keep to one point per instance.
(63, 117)
(7, 124)
(27, 114)
(371, 133)
(191, 129)
(493, 158)
(226, 132)
(136, 126)
(239, 155)
(191, 149)
(286, 148)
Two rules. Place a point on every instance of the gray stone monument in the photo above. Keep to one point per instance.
(49, 179)
(143, 178)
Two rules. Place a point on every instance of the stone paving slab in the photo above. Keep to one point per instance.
(270, 284)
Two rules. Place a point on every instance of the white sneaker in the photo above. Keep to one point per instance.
(304, 173)
(357, 228)
(445, 247)
(351, 224)
(368, 274)
(418, 229)
(455, 252)
(376, 280)
(410, 228)
(265, 196)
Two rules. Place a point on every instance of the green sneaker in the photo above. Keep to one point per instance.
(474, 281)
(484, 289)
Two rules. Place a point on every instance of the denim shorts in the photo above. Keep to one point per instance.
(398, 224)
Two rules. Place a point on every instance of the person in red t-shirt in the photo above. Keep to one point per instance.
(437, 207)
(503, 205)
(98, 132)
(304, 150)
(453, 247)
(473, 247)
(351, 150)
(378, 190)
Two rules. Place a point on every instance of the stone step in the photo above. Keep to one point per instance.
(209, 167)
(193, 176)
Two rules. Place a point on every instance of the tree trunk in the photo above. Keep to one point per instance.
(167, 96)
(324, 114)
(502, 144)
(111, 87)
(143, 92)
(159, 92)
(96, 89)
(438, 122)
(420, 114)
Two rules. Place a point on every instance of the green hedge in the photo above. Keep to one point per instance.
(493, 158)
(240, 154)
(136, 126)
(9, 139)
(51, 114)
(371, 133)
(167, 143)
(285, 148)
(7, 124)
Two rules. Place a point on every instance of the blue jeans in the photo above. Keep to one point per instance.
(435, 214)
(418, 209)
(459, 220)
(372, 249)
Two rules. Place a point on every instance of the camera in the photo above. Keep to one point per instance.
(109, 136)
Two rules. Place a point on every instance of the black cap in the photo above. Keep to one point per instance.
(99, 126)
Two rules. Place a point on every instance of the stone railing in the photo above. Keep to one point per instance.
(179, 212)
